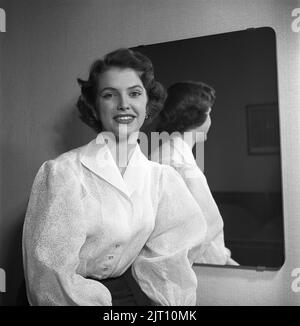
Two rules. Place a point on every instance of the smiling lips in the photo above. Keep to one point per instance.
(124, 118)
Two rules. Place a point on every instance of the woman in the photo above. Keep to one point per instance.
(104, 225)
(186, 121)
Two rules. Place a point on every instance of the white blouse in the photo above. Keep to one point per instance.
(178, 154)
(84, 220)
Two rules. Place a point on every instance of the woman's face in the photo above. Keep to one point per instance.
(122, 101)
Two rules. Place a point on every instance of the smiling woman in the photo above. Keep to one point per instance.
(107, 84)
(122, 102)
(100, 231)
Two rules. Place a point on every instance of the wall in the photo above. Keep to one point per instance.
(48, 44)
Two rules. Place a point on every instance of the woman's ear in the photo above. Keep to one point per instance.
(149, 112)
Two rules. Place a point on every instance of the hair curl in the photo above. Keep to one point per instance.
(186, 106)
(121, 58)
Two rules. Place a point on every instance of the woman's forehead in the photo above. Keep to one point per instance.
(119, 78)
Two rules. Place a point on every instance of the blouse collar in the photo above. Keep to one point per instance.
(97, 157)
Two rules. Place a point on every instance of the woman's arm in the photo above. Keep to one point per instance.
(53, 234)
(164, 267)
(216, 252)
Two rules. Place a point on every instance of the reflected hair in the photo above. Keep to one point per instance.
(121, 58)
(186, 106)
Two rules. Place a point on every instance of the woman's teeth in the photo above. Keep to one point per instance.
(124, 119)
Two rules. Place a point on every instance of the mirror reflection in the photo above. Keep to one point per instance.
(240, 152)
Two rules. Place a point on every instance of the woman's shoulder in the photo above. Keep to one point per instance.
(65, 163)
(161, 173)
(155, 170)
(170, 177)
(70, 157)
(174, 152)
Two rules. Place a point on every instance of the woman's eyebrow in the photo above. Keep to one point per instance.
(135, 86)
(107, 89)
(115, 89)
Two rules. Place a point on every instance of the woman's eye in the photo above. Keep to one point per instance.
(135, 94)
(107, 96)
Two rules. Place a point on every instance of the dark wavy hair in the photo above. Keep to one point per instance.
(186, 106)
(121, 58)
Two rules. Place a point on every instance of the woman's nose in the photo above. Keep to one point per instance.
(123, 103)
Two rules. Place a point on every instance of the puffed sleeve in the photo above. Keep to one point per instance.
(53, 234)
(163, 269)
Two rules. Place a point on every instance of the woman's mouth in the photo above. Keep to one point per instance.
(126, 118)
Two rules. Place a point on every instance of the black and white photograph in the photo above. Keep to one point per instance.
(150, 155)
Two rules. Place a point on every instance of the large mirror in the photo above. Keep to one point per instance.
(242, 162)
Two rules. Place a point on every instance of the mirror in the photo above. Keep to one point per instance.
(242, 162)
